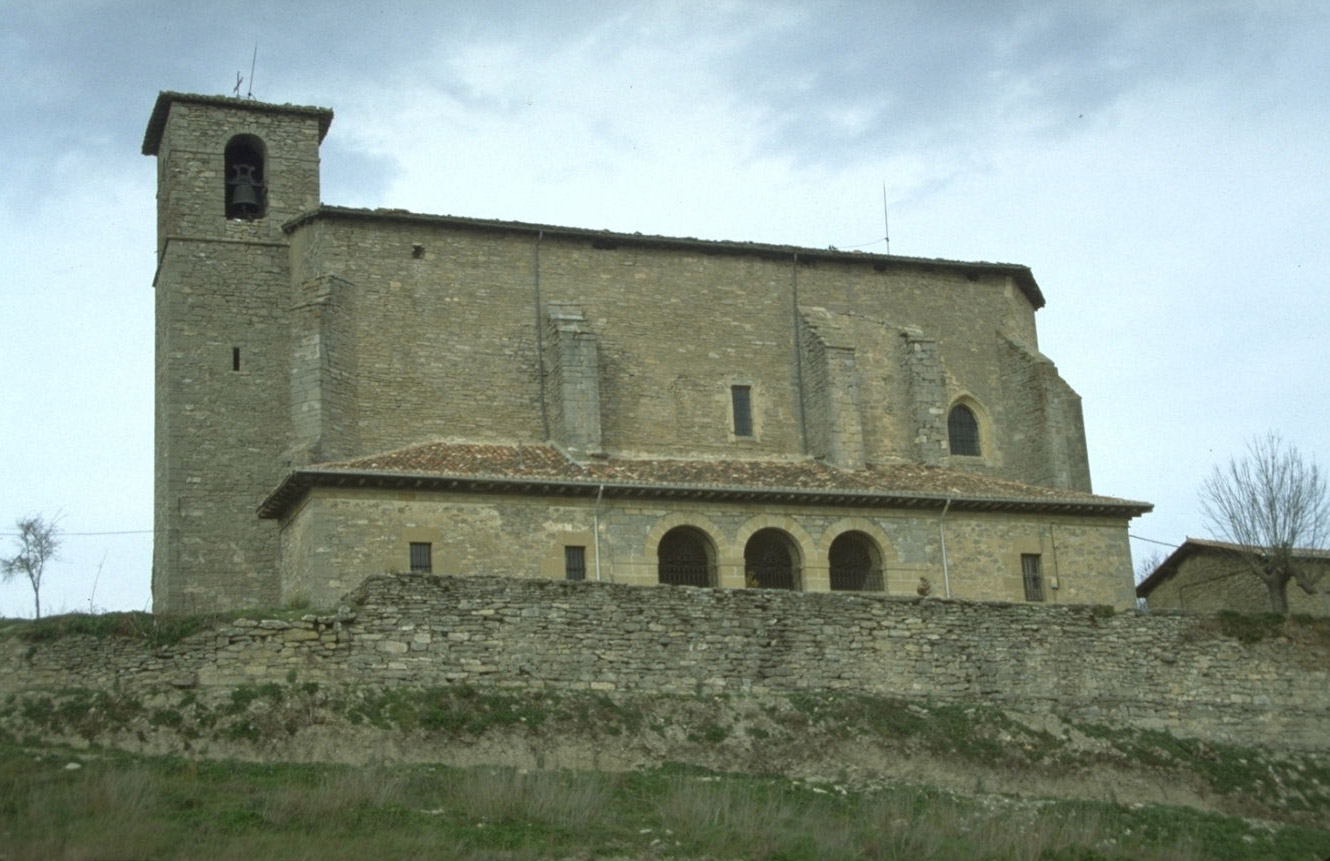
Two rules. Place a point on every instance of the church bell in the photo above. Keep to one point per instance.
(246, 192)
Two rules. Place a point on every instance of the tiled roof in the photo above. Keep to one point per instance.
(531, 468)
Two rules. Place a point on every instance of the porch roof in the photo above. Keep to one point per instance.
(545, 470)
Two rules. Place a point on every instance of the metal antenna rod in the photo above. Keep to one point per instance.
(886, 224)
(255, 59)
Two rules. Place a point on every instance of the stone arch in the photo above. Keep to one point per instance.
(246, 185)
(969, 431)
(854, 563)
(802, 540)
(773, 560)
(651, 546)
(686, 556)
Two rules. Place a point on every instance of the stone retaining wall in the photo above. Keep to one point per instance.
(1182, 674)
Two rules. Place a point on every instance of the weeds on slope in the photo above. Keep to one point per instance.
(55, 804)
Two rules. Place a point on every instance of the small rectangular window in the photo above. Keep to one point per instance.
(1032, 573)
(235, 358)
(574, 563)
(422, 561)
(742, 398)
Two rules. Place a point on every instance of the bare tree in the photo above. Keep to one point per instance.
(1270, 504)
(1149, 563)
(38, 541)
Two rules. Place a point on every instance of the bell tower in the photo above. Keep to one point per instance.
(230, 173)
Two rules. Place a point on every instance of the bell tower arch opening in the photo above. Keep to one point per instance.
(246, 187)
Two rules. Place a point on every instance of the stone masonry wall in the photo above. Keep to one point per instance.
(675, 328)
(339, 535)
(1176, 673)
(223, 352)
(831, 390)
(1209, 582)
(1038, 401)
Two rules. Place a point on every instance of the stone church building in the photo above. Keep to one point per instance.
(345, 392)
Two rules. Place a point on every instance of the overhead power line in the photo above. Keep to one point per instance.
(1153, 541)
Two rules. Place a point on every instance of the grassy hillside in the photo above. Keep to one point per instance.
(302, 770)
(58, 804)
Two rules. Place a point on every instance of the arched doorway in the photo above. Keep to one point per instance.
(856, 563)
(686, 557)
(771, 561)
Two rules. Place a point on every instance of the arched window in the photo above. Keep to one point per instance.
(771, 561)
(963, 431)
(685, 557)
(246, 191)
(856, 564)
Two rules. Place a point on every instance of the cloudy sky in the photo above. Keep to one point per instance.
(1163, 167)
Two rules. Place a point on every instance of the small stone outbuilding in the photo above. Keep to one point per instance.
(1204, 576)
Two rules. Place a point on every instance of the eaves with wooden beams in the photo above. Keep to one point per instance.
(546, 471)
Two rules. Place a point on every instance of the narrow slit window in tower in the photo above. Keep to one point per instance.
(742, 398)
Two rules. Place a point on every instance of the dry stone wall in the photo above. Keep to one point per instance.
(1183, 674)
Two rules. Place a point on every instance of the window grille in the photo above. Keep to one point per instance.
(742, 397)
(963, 431)
(682, 559)
(574, 563)
(769, 561)
(853, 568)
(1032, 573)
(422, 561)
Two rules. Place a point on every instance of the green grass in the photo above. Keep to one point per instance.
(979, 734)
(157, 631)
(126, 807)
(1282, 783)
(1286, 786)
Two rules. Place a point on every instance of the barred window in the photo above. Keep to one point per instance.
(855, 565)
(422, 561)
(742, 398)
(686, 557)
(574, 563)
(1032, 573)
(963, 430)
